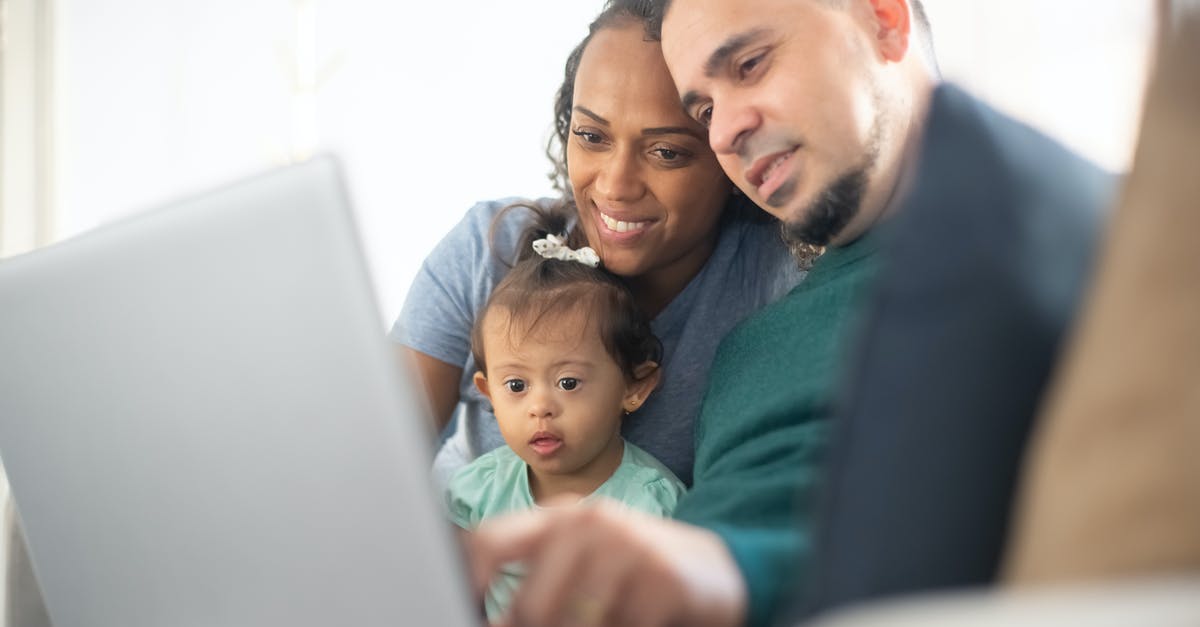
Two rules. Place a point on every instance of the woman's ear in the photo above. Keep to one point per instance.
(480, 380)
(645, 378)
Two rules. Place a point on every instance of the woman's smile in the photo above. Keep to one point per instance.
(622, 226)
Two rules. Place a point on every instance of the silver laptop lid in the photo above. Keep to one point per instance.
(203, 423)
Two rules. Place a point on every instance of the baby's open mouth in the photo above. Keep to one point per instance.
(545, 443)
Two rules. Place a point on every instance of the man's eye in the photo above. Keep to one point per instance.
(515, 386)
(749, 65)
(704, 117)
(568, 383)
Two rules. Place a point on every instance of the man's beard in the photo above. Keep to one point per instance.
(836, 205)
(830, 211)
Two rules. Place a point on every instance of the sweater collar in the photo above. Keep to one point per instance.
(836, 257)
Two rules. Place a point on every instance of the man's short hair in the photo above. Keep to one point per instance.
(659, 8)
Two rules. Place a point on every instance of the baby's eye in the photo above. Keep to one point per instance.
(515, 386)
(568, 383)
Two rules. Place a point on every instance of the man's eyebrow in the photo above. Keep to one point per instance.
(592, 114)
(689, 99)
(733, 45)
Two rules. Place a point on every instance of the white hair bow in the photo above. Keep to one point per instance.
(555, 247)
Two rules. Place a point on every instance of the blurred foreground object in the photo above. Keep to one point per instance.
(1112, 485)
(1158, 602)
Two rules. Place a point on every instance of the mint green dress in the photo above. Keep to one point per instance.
(498, 483)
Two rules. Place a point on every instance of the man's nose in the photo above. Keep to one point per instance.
(733, 121)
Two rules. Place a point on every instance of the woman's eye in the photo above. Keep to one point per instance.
(515, 386)
(587, 136)
(568, 383)
(666, 154)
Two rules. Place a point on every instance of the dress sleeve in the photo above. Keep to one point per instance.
(466, 492)
(663, 496)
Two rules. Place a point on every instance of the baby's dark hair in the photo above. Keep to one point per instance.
(537, 288)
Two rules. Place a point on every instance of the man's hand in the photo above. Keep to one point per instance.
(604, 565)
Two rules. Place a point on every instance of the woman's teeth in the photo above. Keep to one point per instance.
(621, 226)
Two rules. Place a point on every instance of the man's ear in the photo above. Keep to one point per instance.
(646, 377)
(480, 380)
(894, 21)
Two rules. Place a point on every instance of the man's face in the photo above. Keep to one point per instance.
(787, 90)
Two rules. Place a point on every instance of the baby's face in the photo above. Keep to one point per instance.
(557, 393)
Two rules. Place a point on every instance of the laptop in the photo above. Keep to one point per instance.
(204, 425)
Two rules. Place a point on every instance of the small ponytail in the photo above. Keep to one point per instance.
(547, 220)
(537, 287)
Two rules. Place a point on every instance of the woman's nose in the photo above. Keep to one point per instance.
(619, 178)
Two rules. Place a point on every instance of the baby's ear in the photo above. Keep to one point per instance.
(645, 378)
(647, 369)
(481, 384)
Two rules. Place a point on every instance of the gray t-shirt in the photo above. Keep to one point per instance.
(749, 268)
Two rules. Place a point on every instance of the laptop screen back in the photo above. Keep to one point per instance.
(204, 425)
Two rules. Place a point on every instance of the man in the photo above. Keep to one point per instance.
(816, 110)
(1105, 531)
(807, 103)
(812, 107)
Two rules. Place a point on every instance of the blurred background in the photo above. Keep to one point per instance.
(114, 106)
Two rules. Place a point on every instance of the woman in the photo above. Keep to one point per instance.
(647, 192)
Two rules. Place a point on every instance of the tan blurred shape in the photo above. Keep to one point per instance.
(1112, 484)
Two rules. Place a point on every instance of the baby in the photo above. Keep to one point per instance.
(564, 355)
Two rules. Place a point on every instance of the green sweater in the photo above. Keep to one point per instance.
(762, 431)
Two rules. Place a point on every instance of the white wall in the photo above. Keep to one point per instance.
(26, 126)
(1073, 68)
(434, 105)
